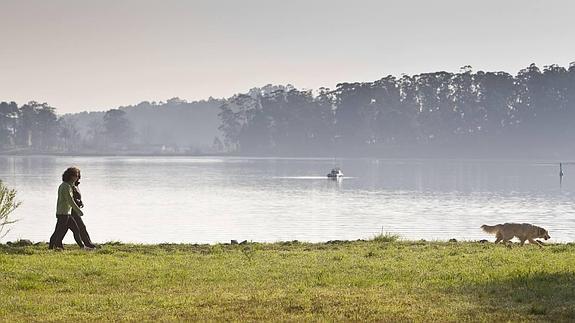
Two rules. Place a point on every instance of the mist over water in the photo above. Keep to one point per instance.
(208, 200)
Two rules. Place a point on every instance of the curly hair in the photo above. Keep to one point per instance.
(68, 173)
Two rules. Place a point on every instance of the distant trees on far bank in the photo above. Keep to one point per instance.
(34, 125)
(468, 113)
(174, 126)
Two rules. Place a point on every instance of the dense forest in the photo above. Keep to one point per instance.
(442, 114)
(467, 114)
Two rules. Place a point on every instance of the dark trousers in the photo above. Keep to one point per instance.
(78, 228)
(59, 231)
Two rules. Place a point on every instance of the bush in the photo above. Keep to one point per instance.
(8, 204)
(386, 237)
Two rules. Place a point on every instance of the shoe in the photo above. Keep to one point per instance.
(88, 248)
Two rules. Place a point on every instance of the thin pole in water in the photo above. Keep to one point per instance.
(560, 174)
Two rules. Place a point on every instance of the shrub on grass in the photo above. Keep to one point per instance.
(386, 237)
(8, 204)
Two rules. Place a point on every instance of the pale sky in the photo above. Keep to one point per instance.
(95, 55)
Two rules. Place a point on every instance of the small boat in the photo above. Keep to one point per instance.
(335, 173)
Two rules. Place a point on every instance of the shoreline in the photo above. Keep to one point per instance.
(543, 160)
(383, 239)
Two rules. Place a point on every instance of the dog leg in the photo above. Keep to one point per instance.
(523, 242)
(499, 237)
(536, 242)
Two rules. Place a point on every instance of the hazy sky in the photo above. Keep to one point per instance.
(95, 55)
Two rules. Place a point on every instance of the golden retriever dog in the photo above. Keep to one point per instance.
(523, 231)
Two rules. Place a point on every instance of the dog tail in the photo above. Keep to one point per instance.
(490, 228)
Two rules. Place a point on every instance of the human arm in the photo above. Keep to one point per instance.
(70, 199)
(77, 196)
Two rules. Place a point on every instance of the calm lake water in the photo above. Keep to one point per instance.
(207, 200)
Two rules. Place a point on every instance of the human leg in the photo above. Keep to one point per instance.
(83, 231)
(73, 226)
(59, 231)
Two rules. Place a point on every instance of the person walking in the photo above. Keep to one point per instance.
(76, 224)
(64, 205)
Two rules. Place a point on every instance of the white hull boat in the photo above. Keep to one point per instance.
(335, 173)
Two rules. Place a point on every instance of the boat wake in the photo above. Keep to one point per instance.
(307, 177)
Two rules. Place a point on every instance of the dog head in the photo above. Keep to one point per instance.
(542, 233)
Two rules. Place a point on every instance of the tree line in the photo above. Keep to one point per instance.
(33, 124)
(465, 113)
(469, 113)
(35, 127)
(174, 126)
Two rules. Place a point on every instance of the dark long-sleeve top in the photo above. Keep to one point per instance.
(77, 198)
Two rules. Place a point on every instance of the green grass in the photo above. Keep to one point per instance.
(341, 280)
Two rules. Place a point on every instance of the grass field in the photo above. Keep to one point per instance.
(380, 279)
